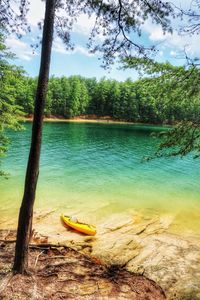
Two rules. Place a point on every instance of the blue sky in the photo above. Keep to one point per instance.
(81, 62)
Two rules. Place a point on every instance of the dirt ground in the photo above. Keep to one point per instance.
(63, 273)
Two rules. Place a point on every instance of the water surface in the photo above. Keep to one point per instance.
(97, 169)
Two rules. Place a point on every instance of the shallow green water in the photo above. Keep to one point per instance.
(97, 167)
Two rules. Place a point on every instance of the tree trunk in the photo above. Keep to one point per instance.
(32, 172)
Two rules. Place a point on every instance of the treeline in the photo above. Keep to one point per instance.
(150, 100)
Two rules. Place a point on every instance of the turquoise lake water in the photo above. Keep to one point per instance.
(95, 166)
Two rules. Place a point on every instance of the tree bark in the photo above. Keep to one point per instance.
(32, 172)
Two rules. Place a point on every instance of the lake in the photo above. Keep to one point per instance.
(97, 169)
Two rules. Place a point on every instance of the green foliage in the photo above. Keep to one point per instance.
(10, 81)
(182, 139)
(67, 97)
(78, 97)
(158, 100)
(178, 91)
(25, 88)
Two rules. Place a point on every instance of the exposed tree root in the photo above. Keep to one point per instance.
(63, 273)
(37, 257)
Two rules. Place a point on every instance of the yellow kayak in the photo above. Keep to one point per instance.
(81, 227)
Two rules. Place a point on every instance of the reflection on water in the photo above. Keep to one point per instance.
(97, 168)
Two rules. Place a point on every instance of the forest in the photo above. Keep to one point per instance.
(157, 100)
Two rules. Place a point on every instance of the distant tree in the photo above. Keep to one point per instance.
(129, 105)
(55, 103)
(115, 99)
(66, 94)
(25, 88)
(90, 84)
(102, 99)
(78, 97)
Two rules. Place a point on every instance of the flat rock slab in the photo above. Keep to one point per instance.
(143, 245)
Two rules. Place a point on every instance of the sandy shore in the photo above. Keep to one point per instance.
(87, 119)
(79, 120)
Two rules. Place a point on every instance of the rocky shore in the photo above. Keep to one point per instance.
(139, 244)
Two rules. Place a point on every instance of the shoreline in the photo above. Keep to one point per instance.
(97, 120)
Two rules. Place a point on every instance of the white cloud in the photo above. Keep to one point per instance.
(84, 24)
(184, 4)
(59, 47)
(173, 53)
(175, 41)
(156, 33)
(20, 48)
(83, 50)
(36, 12)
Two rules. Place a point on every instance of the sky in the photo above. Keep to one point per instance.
(81, 62)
